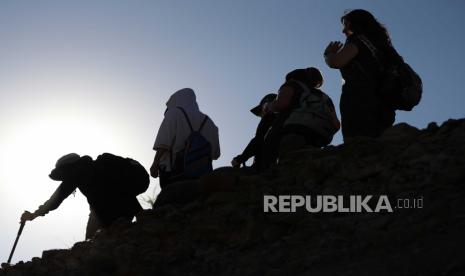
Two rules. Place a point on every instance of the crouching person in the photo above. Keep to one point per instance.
(110, 184)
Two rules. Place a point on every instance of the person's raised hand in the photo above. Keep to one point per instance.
(27, 216)
(334, 47)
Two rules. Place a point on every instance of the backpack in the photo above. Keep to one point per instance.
(315, 112)
(401, 87)
(194, 160)
(125, 174)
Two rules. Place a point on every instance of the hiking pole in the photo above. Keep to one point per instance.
(16, 241)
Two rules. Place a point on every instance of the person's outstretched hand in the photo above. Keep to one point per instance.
(27, 216)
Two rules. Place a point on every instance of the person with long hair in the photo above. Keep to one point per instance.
(363, 110)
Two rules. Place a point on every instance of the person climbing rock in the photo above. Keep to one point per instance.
(110, 184)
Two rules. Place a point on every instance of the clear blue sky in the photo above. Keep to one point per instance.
(94, 76)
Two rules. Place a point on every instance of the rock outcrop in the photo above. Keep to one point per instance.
(227, 232)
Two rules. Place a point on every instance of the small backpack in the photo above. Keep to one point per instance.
(315, 112)
(126, 175)
(401, 86)
(195, 159)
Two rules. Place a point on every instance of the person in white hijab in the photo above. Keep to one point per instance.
(174, 131)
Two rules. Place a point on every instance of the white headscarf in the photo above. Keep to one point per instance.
(175, 129)
(184, 98)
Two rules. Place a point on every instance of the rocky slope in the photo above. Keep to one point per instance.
(226, 232)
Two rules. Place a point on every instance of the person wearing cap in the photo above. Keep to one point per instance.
(254, 148)
(106, 204)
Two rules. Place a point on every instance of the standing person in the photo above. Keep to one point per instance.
(187, 141)
(364, 112)
(110, 184)
(291, 105)
(255, 146)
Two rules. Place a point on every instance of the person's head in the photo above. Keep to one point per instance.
(62, 165)
(258, 110)
(362, 22)
(310, 76)
(184, 98)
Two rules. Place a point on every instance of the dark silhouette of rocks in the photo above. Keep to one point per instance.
(227, 232)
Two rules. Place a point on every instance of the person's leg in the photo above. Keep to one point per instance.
(93, 225)
(351, 113)
(361, 112)
(270, 150)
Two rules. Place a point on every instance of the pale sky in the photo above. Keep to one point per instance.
(93, 76)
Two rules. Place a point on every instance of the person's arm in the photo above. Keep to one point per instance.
(282, 102)
(60, 194)
(337, 55)
(164, 140)
(248, 152)
(160, 152)
(255, 144)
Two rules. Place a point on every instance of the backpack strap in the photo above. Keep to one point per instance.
(375, 53)
(306, 91)
(203, 123)
(187, 118)
(189, 121)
